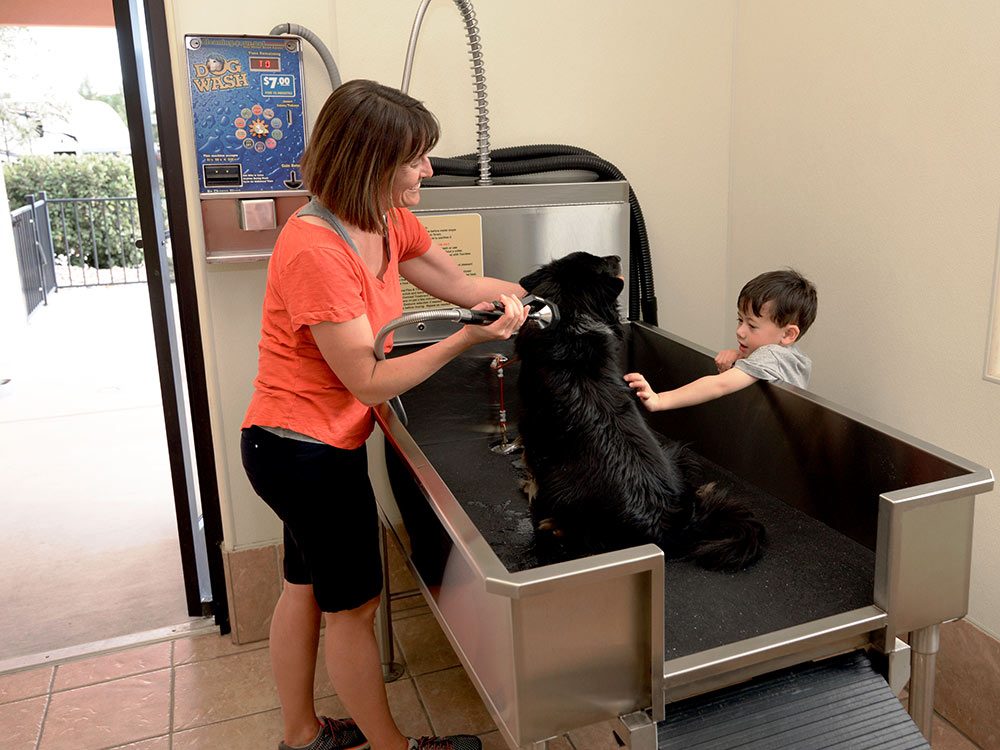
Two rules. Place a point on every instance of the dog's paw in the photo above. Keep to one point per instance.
(549, 526)
(705, 489)
(529, 486)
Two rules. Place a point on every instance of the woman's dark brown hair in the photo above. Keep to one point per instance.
(363, 134)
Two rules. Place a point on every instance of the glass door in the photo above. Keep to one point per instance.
(145, 62)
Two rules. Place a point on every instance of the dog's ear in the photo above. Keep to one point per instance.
(529, 282)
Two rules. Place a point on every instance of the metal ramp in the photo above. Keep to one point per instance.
(841, 702)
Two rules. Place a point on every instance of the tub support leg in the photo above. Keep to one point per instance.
(924, 644)
(637, 730)
(391, 670)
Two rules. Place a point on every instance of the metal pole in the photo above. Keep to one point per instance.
(412, 47)
(924, 645)
(391, 670)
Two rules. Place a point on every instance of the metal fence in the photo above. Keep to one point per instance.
(68, 242)
(94, 241)
(32, 243)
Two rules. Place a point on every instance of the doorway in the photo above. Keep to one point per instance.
(105, 521)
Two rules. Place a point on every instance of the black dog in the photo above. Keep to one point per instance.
(600, 478)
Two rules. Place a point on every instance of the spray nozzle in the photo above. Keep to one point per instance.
(543, 312)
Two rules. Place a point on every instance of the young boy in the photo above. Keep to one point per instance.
(774, 310)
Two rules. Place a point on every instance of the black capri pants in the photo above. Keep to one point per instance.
(324, 497)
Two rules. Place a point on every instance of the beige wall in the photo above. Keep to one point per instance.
(866, 152)
(854, 140)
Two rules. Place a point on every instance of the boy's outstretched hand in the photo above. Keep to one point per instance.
(649, 398)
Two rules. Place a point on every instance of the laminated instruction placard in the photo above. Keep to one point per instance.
(461, 236)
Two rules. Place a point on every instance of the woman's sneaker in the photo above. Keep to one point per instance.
(334, 734)
(451, 742)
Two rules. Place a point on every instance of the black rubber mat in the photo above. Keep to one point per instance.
(809, 570)
(841, 702)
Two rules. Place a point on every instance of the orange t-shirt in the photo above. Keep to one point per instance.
(314, 276)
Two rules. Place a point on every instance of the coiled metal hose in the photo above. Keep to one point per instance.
(478, 77)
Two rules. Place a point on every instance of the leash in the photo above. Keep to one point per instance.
(504, 446)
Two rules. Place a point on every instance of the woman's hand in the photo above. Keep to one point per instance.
(514, 316)
(347, 349)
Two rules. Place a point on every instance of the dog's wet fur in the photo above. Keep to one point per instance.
(599, 479)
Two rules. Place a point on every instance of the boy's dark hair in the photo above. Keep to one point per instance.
(793, 295)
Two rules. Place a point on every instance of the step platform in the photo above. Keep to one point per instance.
(840, 702)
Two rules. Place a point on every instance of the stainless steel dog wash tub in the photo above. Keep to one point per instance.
(870, 539)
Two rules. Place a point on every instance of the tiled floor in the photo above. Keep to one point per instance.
(204, 692)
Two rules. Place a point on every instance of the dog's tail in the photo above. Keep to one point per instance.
(726, 535)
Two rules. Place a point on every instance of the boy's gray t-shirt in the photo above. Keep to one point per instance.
(771, 362)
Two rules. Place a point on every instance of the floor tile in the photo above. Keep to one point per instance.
(252, 581)
(157, 743)
(944, 736)
(495, 741)
(255, 732)
(203, 647)
(406, 709)
(967, 689)
(424, 645)
(109, 714)
(452, 703)
(595, 737)
(408, 606)
(208, 692)
(21, 685)
(112, 666)
(21, 722)
(263, 730)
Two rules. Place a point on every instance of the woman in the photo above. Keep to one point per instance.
(332, 283)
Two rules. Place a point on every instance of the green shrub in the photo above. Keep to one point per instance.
(68, 176)
(98, 234)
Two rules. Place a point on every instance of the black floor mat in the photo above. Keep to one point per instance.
(841, 702)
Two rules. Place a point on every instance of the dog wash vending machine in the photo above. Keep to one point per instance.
(248, 106)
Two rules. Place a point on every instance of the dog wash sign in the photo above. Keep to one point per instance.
(247, 104)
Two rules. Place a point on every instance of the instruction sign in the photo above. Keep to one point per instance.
(461, 236)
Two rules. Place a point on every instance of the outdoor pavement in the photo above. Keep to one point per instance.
(90, 546)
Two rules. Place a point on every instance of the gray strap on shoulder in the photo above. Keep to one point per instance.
(315, 208)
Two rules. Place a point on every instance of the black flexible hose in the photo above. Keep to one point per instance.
(515, 153)
(518, 160)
